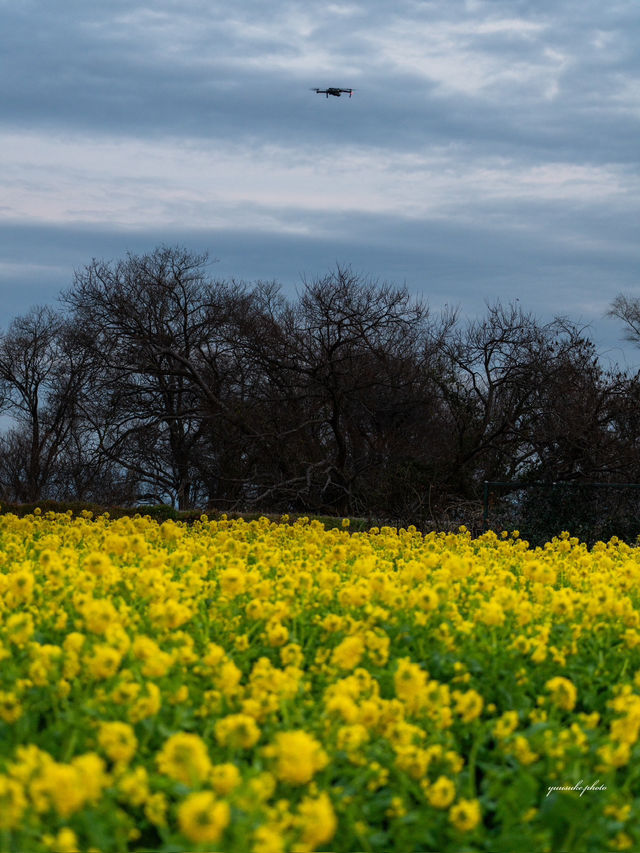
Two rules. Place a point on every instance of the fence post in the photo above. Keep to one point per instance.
(485, 506)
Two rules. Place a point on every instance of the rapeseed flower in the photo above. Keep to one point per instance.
(276, 633)
(441, 793)
(59, 786)
(118, 741)
(202, 818)
(133, 786)
(316, 820)
(468, 705)
(10, 707)
(563, 692)
(506, 725)
(160, 675)
(20, 587)
(104, 662)
(146, 705)
(237, 731)
(185, 758)
(155, 809)
(348, 654)
(298, 757)
(267, 839)
(66, 841)
(465, 815)
(92, 772)
(20, 628)
(410, 682)
(13, 802)
(224, 778)
(522, 750)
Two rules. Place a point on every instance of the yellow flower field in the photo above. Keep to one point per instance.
(263, 687)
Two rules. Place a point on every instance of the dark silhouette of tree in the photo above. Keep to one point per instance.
(151, 326)
(337, 370)
(160, 383)
(627, 309)
(497, 387)
(40, 380)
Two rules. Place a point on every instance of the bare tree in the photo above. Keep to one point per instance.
(497, 370)
(627, 309)
(162, 383)
(161, 365)
(337, 369)
(40, 380)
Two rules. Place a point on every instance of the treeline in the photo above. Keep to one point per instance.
(155, 383)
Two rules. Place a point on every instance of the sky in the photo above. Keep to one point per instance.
(490, 150)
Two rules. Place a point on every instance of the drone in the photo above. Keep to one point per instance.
(333, 91)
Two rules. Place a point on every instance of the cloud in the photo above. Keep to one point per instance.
(213, 70)
(137, 183)
(490, 146)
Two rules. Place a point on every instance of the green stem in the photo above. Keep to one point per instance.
(472, 766)
(567, 846)
(70, 745)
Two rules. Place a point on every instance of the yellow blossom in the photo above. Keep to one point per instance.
(348, 653)
(104, 662)
(202, 818)
(65, 841)
(133, 786)
(563, 692)
(522, 750)
(298, 756)
(465, 815)
(20, 628)
(10, 708)
(468, 705)
(185, 758)
(267, 839)
(316, 820)
(506, 725)
(441, 793)
(118, 741)
(410, 683)
(12, 802)
(155, 809)
(61, 786)
(277, 634)
(237, 731)
(224, 778)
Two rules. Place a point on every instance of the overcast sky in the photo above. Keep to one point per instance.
(490, 149)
